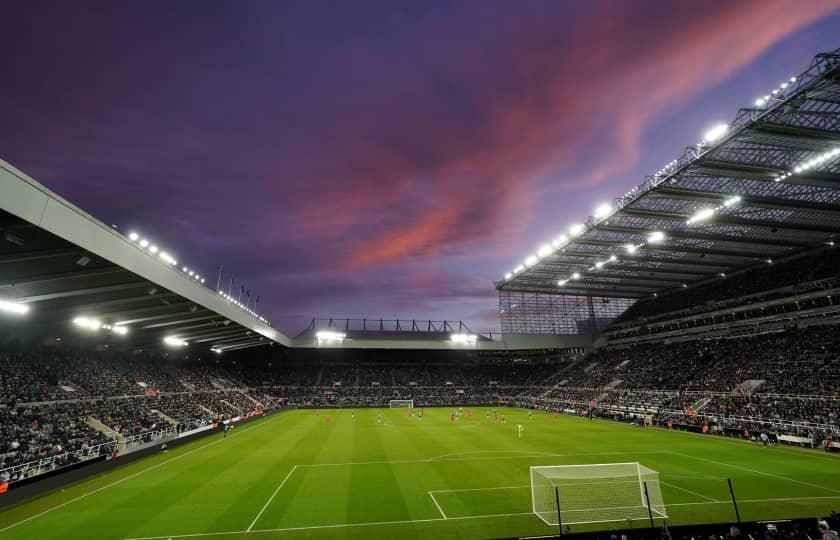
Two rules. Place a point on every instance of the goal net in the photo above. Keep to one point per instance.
(595, 493)
(402, 403)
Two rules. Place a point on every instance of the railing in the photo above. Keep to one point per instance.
(149, 436)
(16, 473)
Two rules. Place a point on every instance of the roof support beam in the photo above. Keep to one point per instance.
(175, 323)
(63, 276)
(749, 200)
(811, 134)
(767, 174)
(694, 234)
(82, 292)
(38, 255)
(678, 248)
(733, 220)
(243, 333)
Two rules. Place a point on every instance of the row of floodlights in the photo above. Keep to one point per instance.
(165, 257)
(601, 212)
(762, 101)
(15, 308)
(240, 305)
(94, 325)
(330, 336)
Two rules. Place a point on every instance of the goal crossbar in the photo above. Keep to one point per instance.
(401, 403)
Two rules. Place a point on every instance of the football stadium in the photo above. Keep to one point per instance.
(668, 366)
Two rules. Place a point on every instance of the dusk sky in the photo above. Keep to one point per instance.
(380, 159)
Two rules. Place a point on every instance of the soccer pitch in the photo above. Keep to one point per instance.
(299, 475)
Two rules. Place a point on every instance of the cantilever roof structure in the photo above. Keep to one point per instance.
(61, 266)
(763, 187)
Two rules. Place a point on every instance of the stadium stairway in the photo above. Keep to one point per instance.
(110, 433)
(748, 387)
(168, 419)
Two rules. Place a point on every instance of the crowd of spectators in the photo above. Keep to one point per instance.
(59, 402)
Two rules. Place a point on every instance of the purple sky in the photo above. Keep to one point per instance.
(380, 159)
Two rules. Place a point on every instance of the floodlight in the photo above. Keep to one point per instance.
(508, 275)
(463, 339)
(560, 240)
(144, 243)
(173, 341)
(87, 323)
(531, 261)
(600, 264)
(328, 336)
(655, 237)
(612, 258)
(701, 215)
(518, 269)
(544, 251)
(14, 307)
(153, 248)
(216, 350)
(562, 282)
(732, 200)
(716, 133)
(576, 229)
(133, 236)
(576, 275)
(119, 330)
(603, 210)
(631, 248)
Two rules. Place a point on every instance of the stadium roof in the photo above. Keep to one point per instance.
(62, 268)
(763, 187)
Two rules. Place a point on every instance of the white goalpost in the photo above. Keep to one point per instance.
(594, 493)
(401, 403)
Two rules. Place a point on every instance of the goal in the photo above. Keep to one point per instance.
(402, 403)
(595, 493)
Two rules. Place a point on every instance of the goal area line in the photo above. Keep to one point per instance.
(442, 520)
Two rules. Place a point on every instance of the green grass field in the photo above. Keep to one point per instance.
(292, 475)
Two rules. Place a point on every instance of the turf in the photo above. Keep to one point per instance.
(295, 475)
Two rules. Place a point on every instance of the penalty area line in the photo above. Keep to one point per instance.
(276, 491)
(437, 504)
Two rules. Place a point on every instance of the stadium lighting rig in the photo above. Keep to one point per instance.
(704, 214)
(715, 134)
(463, 339)
(15, 308)
(762, 101)
(173, 341)
(146, 245)
(329, 336)
(242, 306)
(94, 325)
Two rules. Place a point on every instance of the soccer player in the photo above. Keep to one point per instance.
(353, 415)
(765, 440)
(520, 428)
(530, 414)
(379, 418)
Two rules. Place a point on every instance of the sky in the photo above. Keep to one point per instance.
(380, 159)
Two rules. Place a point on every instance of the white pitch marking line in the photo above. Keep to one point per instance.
(129, 477)
(437, 504)
(432, 520)
(757, 472)
(691, 492)
(785, 499)
(251, 526)
(337, 526)
(477, 489)
(438, 458)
